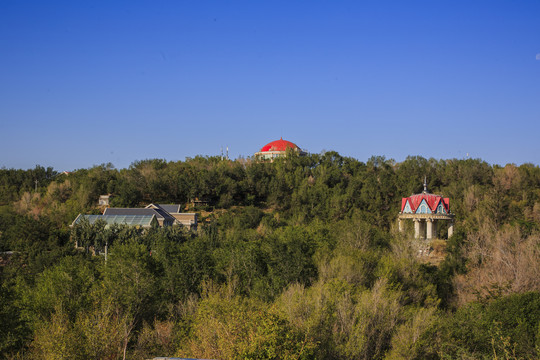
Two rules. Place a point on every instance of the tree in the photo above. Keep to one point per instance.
(64, 287)
(230, 328)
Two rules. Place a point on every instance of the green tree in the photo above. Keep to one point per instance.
(239, 328)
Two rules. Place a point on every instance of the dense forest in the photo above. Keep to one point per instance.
(295, 259)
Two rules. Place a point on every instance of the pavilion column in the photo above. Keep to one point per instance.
(450, 229)
(435, 226)
(429, 230)
(416, 228)
(400, 225)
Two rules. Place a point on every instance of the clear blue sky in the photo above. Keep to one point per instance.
(85, 83)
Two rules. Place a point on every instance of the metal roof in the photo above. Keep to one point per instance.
(159, 213)
(133, 220)
(171, 208)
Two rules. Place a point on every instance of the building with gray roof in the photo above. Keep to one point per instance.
(162, 216)
(188, 220)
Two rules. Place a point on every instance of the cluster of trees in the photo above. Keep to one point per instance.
(299, 258)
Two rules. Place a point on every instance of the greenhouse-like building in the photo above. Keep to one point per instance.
(142, 221)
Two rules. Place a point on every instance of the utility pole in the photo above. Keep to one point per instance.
(36, 181)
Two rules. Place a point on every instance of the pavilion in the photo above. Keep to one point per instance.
(426, 210)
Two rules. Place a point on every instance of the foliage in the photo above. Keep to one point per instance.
(230, 328)
(298, 258)
(505, 328)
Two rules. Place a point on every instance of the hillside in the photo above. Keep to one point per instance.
(299, 258)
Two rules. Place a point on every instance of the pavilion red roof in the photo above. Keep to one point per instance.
(431, 200)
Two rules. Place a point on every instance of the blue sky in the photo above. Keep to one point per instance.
(85, 83)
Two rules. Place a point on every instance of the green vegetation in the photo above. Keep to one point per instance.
(296, 259)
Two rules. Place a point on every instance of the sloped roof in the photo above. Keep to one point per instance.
(158, 212)
(432, 201)
(171, 208)
(133, 220)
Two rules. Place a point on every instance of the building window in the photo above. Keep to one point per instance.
(423, 208)
(407, 208)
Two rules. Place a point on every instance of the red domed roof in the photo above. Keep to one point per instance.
(279, 145)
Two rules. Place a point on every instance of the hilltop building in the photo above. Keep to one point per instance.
(153, 214)
(188, 220)
(278, 148)
(426, 210)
